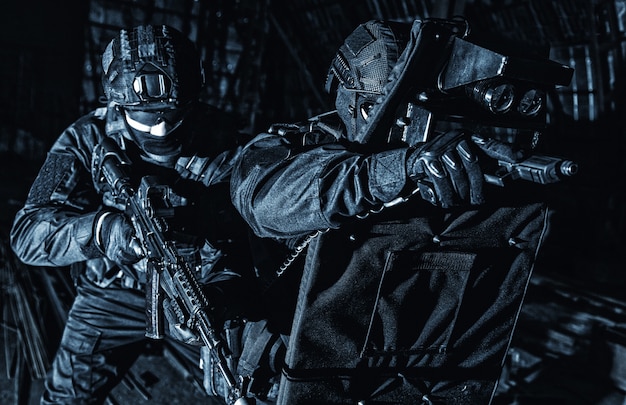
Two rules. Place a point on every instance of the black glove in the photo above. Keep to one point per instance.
(177, 326)
(115, 237)
(446, 170)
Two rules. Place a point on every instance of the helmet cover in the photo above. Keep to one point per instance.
(151, 66)
(361, 67)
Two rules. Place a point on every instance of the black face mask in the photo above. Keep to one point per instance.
(162, 149)
(157, 145)
(166, 145)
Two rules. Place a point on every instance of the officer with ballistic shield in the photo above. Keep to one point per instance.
(415, 265)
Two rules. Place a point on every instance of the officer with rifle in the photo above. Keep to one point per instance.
(419, 209)
(134, 198)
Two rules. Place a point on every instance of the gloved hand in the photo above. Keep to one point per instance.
(115, 237)
(446, 170)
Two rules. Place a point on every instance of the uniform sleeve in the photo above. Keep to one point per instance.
(284, 190)
(54, 228)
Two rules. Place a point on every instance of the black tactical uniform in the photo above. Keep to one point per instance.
(190, 148)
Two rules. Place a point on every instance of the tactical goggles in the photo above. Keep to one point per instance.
(152, 115)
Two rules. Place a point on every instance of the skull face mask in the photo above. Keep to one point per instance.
(360, 70)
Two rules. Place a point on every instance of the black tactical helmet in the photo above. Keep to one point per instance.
(151, 66)
(361, 67)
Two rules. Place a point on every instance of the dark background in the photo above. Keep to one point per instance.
(267, 61)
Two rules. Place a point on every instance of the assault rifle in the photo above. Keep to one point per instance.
(168, 272)
(446, 79)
